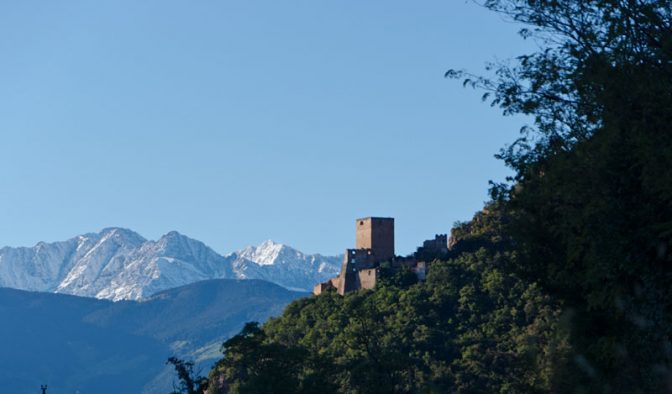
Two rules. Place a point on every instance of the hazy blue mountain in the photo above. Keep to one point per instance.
(97, 346)
(119, 264)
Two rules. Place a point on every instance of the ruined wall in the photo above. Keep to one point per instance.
(368, 278)
(354, 261)
(433, 248)
(331, 284)
(440, 243)
(321, 288)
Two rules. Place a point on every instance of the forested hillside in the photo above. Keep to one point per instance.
(563, 282)
(473, 326)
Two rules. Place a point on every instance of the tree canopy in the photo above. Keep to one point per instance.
(590, 206)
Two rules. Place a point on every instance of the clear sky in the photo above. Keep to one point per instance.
(238, 121)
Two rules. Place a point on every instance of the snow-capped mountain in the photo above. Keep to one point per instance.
(283, 265)
(118, 264)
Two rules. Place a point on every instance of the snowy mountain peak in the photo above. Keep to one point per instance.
(118, 234)
(118, 263)
(284, 265)
(180, 246)
(173, 238)
(265, 254)
(173, 235)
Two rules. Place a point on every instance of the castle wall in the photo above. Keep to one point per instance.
(321, 288)
(433, 248)
(368, 278)
(334, 282)
(354, 261)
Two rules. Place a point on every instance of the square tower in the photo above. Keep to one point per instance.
(376, 234)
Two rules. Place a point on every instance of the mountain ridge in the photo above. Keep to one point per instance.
(119, 264)
(95, 345)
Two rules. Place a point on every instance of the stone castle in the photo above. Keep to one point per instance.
(375, 245)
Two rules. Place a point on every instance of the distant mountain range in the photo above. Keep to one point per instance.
(119, 264)
(85, 345)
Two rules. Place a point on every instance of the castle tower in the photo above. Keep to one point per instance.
(376, 234)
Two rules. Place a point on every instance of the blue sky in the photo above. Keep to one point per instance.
(239, 121)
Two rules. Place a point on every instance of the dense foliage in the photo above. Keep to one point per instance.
(563, 283)
(590, 207)
(471, 327)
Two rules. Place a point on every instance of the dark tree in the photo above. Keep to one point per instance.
(591, 202)
(251, 364)
(190, 383)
